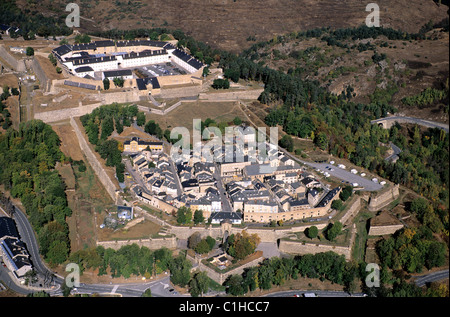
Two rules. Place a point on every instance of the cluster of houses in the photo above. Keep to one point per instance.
(271, 188)
(157, 176)
(283, 192)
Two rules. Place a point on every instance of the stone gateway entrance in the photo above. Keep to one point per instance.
(225, 227)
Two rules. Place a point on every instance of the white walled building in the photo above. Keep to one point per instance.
(84, 71)
(109, 56)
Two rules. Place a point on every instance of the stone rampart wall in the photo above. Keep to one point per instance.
(384, 198)
(152, 244)
(384, 230)
(266, 235)
(221, 277)
(232, 95)
(301, 248)
(63, 114)
(352, 211)
(109, 186)
(179, 92)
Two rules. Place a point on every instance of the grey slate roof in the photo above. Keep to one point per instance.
(8, 227)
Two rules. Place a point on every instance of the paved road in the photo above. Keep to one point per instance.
(226, 205)
(159, 288)
(174, 171)
(51, 282)
(319, 293)
(135, 175)
(432, 277)
(419, 280)
(9, 282)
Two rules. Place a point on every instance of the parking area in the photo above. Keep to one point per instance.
(164, 69)
(347, 177)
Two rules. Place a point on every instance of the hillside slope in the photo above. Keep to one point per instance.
(228, 24)
(376, 69)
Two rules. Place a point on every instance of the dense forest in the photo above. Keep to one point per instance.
(27, 161)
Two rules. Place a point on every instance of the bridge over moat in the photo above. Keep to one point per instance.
(388, 122)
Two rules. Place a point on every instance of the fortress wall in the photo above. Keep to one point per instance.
(383, 199)
(81, 80)
(191, 91)
(176, 105)
(133, 222)
(272, 235)
(266, 235)
(175, 80)
(232, 95)
(221, 277)
(352, 211)
(185, 232)
(152, 244)
(63, 114)
(384, 230)
(110, 187)
(120, 97)
(301, 248)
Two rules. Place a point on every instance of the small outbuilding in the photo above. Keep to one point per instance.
(124, 212)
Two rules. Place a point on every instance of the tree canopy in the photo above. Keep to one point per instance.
(27, 168)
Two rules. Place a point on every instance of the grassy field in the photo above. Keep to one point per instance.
(88, 203)
(143, 230)
(184, 114)
(89, 199)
